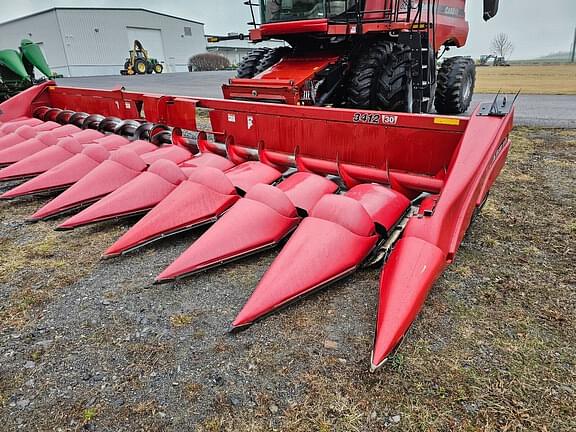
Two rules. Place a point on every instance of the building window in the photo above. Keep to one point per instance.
(187, 31)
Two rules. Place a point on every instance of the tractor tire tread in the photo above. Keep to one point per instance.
(449, 98)
(248, 65)
(378, 79)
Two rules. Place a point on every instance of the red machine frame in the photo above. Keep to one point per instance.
(454, 160)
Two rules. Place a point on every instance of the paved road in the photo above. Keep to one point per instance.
(531, 110)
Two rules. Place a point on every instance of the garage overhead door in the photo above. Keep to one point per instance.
(151, 40)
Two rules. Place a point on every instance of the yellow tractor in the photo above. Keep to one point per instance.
(140, 62)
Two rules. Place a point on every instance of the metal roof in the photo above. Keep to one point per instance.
(99, 9)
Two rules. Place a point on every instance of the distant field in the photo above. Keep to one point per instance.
(530, 79)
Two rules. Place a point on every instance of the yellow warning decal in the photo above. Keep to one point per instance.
(447, 121)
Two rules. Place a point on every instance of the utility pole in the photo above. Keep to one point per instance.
(573, 58)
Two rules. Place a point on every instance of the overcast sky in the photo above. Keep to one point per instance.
(536, 27)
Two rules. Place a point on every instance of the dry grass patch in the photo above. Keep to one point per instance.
(530, 79)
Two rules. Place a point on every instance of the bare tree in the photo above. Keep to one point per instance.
(502, 45)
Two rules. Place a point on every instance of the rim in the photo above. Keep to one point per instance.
(467, 91)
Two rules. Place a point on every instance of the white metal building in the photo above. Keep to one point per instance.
(235, 50)
(95, 41)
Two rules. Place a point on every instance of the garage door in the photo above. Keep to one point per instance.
(151, 40)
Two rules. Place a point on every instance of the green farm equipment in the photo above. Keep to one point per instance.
(140, 62)
(17, 68)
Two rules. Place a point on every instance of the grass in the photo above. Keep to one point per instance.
(530, 79)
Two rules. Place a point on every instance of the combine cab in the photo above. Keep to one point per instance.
(344, 188)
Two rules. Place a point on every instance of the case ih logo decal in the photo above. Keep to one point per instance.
(375, 119)
(440, 9)
(451, 11)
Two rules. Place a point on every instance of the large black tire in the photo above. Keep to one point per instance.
(271, 58)
(455, 85)
(380, 77)
(249, 64)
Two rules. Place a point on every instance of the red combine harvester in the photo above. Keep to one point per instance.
(346, 187)
(370, 54)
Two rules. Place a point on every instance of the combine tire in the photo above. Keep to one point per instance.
(455, 87)
(249, 64)
(158, 68)
(271, 58)
(140, 67)
(379, 79)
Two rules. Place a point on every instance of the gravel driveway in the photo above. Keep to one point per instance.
(87, 344)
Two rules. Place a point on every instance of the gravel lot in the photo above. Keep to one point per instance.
(92, 345)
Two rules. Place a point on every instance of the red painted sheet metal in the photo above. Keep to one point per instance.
(258, 221)
(319, 252)
(140, 147)
(384, 205)
(303, 68)
(473, 163)
(408, 275)
(63, 175)
(111, 142)
(123, 166)
(363, 145)
(172, 153)
(283, 28)
(43, 160)
(19, 121)
(24, 133)
(43, 140)
(306, 189)
(248, 174)
(197, 201)
(137, 196)
(210, 160)
(20, 106)
(27, 148)
(110, 103)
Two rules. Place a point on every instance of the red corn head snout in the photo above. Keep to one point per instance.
(24, 133)
(44, 140)
(260, 220)
(137, 196)
(122, 166)
(72, 170)
(65, 149)
(327, 246)
(63, 175)
(10, 126)
(406, 280)
(42, 161)
(203, 197)
(199, 200)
